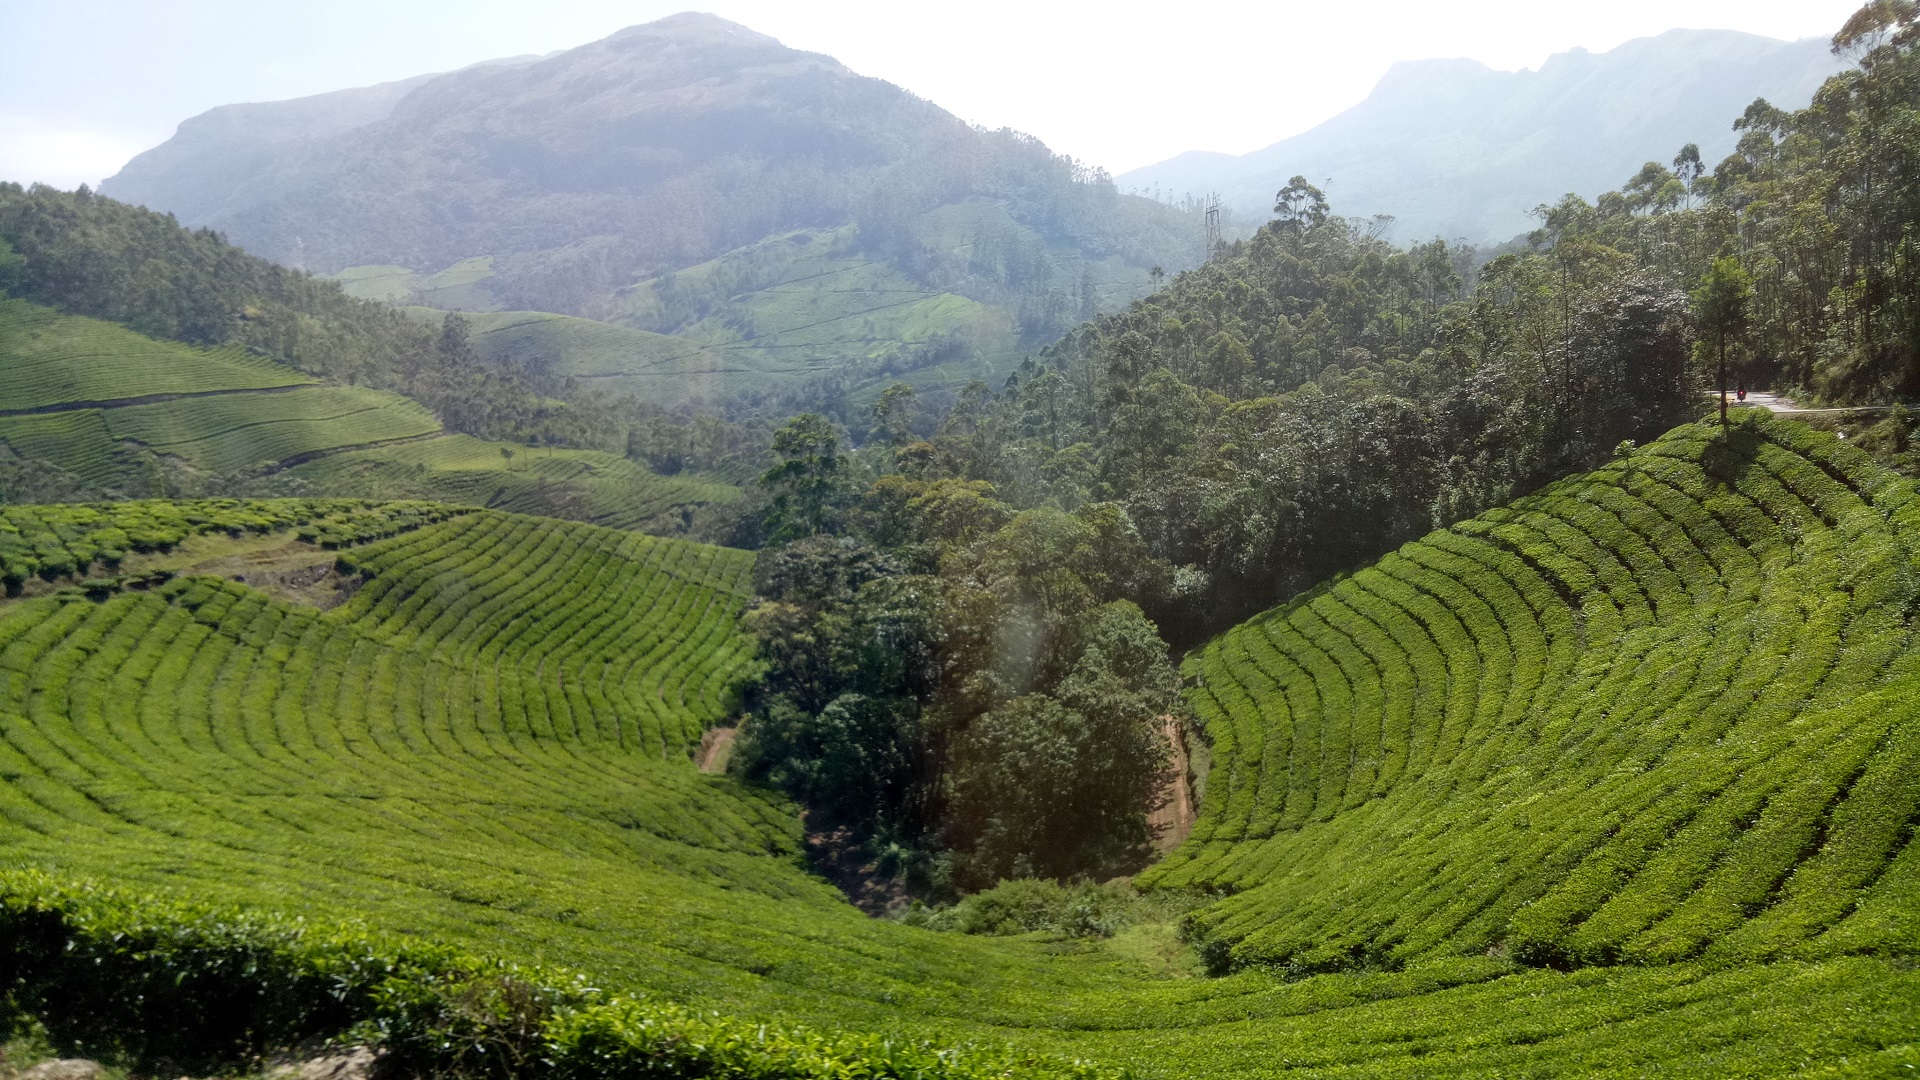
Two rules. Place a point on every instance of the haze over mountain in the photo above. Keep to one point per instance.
(1454, 148)
(796, 194)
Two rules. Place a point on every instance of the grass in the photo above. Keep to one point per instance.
(49, 359)
(1618, 780)
(587, 485)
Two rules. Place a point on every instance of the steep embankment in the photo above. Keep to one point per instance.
(1659, 710)
(1662, 712)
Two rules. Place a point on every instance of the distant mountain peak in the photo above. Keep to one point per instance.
(1454, 148)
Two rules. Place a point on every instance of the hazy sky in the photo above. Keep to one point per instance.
(83, 87)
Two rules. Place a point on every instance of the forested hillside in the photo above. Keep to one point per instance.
(1803, 233)
(689, 177)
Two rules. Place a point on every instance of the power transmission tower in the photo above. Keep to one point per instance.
(1213, 223)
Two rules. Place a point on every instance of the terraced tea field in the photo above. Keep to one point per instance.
(1660, 713)
(108, 406)
(217, 433)
(1617, 781)
(591, 485)
(52, 359)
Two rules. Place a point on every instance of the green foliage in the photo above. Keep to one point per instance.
(1052, 784)
(583, 485)
(53, 359)
(219, 433)
(805, 490)
(1656, 713)
(977, 686)
(1314, 396)
(1816, 208)
(486, 746)
(170, 986)
(1036, 905)
(87, 255)
(68, 540)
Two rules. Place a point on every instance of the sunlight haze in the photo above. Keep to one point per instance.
(1116, 85)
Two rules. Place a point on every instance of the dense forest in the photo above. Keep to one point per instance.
(969, 630)
(990, 591)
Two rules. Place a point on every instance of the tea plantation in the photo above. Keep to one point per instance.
(108, 405)
(105, 404)
(1620, 780)
(1659, 713)
(590, 485)
(53, 359)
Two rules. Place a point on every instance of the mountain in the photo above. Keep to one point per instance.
(577, 183)
(1453, 148)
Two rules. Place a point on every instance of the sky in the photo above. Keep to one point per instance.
(1114, 83)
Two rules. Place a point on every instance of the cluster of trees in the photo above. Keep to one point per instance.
(1814, 222)
(949, 673)
(1315, 396)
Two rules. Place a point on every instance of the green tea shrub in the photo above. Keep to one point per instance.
(166, 986)
(1615, 722)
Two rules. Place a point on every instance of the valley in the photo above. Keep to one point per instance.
(670, 557)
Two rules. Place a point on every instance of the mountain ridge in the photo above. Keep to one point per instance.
(573, 182)
(1455, 148)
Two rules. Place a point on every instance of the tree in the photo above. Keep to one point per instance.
(1056, 783)
(1688, 167)
(1300, 206)
(808, 485)
(892, 414)
(1720, 311)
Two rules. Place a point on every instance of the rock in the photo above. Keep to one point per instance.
(66, 1069)
(358, 1063)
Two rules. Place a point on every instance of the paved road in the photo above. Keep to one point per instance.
(1764, 400)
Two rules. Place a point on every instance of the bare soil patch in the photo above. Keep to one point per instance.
(277, 564)
(1173, 813)
(840, 858)
(716, 749)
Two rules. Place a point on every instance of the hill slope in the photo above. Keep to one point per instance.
(1662, 712)
(1575, 716)
(560, 184)
(109, 406)
(89, 409)
(1452, 148)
